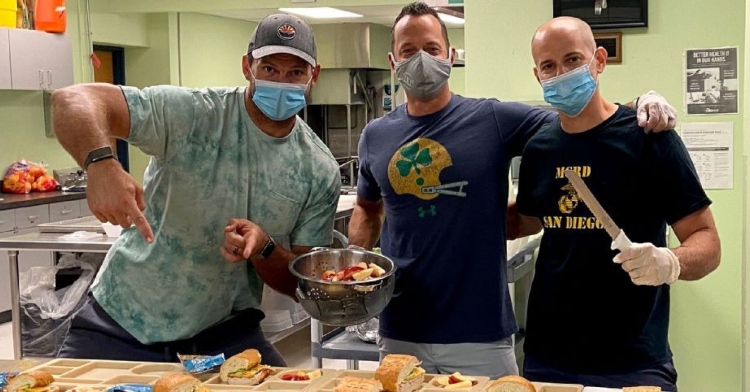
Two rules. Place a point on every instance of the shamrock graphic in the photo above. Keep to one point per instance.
(414, 157)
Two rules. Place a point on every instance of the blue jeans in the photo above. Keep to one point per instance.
(94, 334)
(662, 375)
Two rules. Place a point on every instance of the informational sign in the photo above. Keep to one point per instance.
(712, 82)
(710, 148)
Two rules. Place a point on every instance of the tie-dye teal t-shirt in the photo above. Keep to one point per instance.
(209, 163)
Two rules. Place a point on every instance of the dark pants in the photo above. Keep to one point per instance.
(95, 335)
(663, 375)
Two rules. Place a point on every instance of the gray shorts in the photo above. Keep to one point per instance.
(492, 359)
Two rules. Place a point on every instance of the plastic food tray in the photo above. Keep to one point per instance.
(71, 373)
(329, 384)
(551, 387)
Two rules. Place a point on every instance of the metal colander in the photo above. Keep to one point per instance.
(342, 303)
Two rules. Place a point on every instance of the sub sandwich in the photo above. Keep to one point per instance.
(511, 384)
(356, 384)
(245, 369)
(641, 389)
(35, 381)
(178, 382)
(400, 373)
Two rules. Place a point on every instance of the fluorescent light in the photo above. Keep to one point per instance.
(321, 12)
(450, 18)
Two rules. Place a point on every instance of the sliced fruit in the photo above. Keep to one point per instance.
(314, 374)
(362, 275)
(443, 381)
(376, 270)
(362, 265)
(459, 385)
(328, 275)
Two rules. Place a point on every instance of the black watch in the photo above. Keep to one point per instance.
(268, 248)
(97, 155)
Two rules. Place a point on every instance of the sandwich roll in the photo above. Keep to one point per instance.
(178, 382)
(641, 389)
(400, 373)
(245, 369)
(511, 384)
(35, 381)
(356, 384)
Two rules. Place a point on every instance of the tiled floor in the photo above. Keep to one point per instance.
(295, 349)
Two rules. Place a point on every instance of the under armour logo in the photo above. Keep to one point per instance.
(423, 212)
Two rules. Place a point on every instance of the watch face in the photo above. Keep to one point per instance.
(268, 249)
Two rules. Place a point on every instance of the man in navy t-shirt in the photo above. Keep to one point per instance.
(434, 178)
(592, 321)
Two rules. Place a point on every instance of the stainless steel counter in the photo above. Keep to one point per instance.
(52, 242)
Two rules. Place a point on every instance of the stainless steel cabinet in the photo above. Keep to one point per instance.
(64, 211)
(40, 61)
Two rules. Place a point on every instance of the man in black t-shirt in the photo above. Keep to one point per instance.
(593, 321)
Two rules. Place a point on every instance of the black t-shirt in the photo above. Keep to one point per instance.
(585, 315)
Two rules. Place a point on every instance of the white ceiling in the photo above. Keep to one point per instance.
(371, 14)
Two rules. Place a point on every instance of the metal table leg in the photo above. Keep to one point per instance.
(15, 298)
(352, 364)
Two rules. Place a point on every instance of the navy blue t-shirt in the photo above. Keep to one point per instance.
(585, 315)
(443, 179)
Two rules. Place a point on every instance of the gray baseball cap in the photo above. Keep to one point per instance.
(283, 33)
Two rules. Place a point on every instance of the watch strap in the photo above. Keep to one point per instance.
(98, 154)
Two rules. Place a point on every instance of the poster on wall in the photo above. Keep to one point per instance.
(711, 81)
(710, 148)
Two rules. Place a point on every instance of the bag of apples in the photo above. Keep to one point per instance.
(24, 177)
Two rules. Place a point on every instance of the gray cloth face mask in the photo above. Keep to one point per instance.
(422, 74)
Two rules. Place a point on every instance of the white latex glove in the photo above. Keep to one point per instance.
(655, 113)
(648, 265)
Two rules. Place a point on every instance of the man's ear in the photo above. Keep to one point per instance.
(315, 75)
(536, 75)
(601, 59)
(452, 54)
(246, 68)
(392, 61)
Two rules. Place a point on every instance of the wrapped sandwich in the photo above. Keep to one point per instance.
(245, 369)
(35, 381)
(641, 389)
(400, 373)
(511, 384)
(356, 384)
(178, 382)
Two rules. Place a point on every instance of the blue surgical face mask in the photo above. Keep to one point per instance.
(279, 101)
(571, 91)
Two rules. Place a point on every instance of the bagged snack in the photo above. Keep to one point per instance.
(24, 177)
(5, 378)
(197, 364)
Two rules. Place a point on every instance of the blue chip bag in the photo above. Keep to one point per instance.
(5, 378)
(131, 388)
(197, 364)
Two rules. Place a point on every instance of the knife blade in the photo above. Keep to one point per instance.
(619, 239)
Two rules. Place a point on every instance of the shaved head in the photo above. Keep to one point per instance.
(572, 28)
(563, 44)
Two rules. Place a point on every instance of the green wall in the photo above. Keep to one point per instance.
(706, 316)
(211, 50)
(457, 81)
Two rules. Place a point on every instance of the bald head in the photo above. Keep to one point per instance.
(563, 44)
(566, 27)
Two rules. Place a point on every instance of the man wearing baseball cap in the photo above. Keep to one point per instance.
(234, 173)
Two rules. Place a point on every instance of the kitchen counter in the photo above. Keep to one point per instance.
(11, 200)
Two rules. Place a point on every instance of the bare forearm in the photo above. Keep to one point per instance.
(275, 271)
(84, 117)
(364, 227)
(699, 254)
(530, 226)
